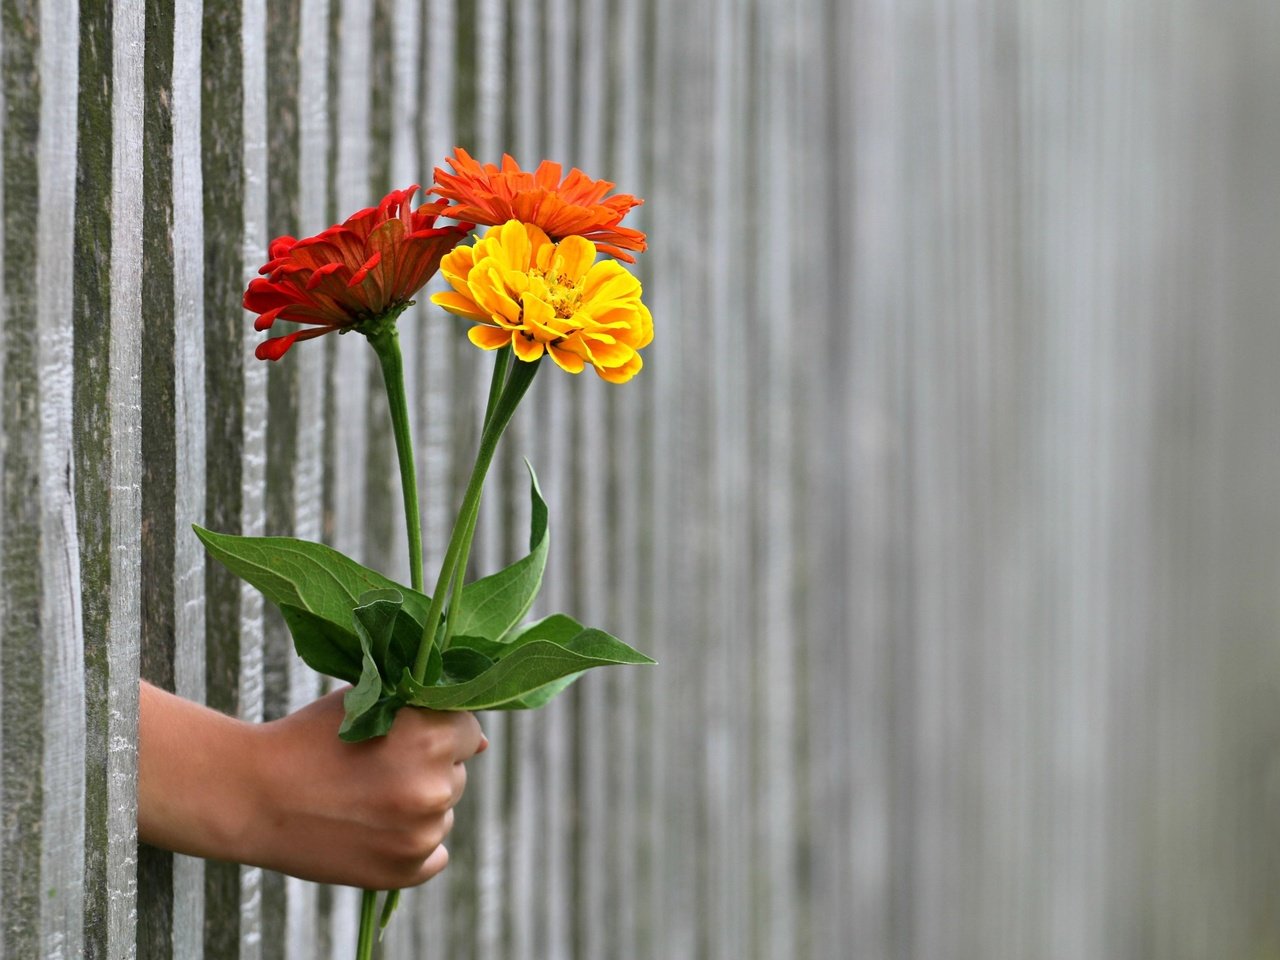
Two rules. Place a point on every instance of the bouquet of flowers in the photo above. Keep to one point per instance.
(533, 286)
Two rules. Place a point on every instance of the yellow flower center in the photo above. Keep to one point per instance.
(556, 290)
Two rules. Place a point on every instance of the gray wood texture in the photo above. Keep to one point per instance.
(946, 498)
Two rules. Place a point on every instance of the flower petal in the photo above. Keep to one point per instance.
(539, 317)
(318, 275)
(458, 304)
(277, 347)
(573, 205)
(621, 374)
(358, 277)
(488, 338)
(526, 347)
(574, 257)
(565, 359)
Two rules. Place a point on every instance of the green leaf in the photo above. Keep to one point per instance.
(372, 703)
(374, 722)
(306, 575)
(492, 605)
(361, 700)
(462, 664)
(375, 620)
(526, 669)
(558, 628)
(324, 646)
(542, 696)
(388, 908)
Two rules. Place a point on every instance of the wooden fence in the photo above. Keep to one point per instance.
(947, 497)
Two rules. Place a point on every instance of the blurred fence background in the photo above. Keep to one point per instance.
(947, 498)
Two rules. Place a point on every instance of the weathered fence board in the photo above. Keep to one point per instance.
(22, 668)
(945, 499)
(62, 860)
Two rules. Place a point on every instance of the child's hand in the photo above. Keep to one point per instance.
(290, 796)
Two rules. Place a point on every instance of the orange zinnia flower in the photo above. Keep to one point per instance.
(367, 267)
(573, 207)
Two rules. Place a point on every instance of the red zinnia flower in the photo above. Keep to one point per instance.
(572, 207)
(367, 267)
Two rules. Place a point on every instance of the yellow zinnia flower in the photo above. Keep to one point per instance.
(537, 295)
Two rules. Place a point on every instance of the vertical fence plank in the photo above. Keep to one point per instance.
(525, 804)
(775, 769)
(173, 430)
(156, 881)
(348, 379)
(404, 169)
(302, 468)
(432, 413)
(460, 895)
(670, 844)
(22, 701)
(279, 44)
(562, 891)
(124, 396)
(316, 112)
(230, 498)
(90, 399)
(189, 391)
(384, 531)
(590, 552)
(625, 747)
(874, 603)
(62, 822)
(286, 116)
(93, 458)
(728, 801)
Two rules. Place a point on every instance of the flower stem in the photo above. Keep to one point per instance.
(364, 945)
(386, 344)
(498, 381)
(517, 384)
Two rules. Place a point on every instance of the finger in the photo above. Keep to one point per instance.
(459, 776)
(438, 860)
(468, 736)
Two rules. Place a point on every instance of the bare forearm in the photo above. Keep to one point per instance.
(198, 780)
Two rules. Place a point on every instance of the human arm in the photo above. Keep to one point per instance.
(290, 796)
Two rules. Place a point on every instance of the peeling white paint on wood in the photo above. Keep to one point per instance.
(125, 313)
(253, 42)
(189, 391)
(61, 624)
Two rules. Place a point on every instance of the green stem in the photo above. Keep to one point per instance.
(364, 945)
(499, 379)
(385, 341)
(386, 344)
(496, 383)
(517, 384)
(455, 595)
